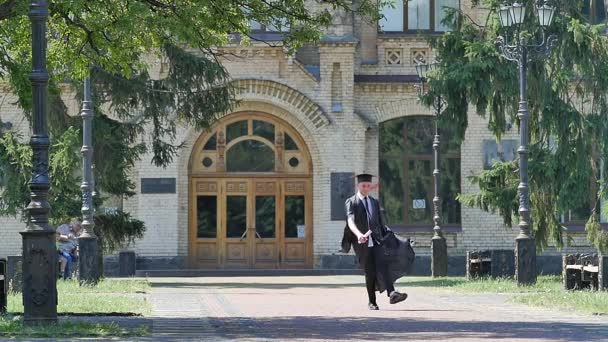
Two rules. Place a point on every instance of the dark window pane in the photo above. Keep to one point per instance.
(211, 144)
(407, 199)
(450, 188)
(449, 142)
(290, 145)
(236, 216)
(263, 129)
(391, 138)
(250, 156)
(420, 133)
(594, 11)
(420, 204)
(265, 216)
(207, 216)
(580, 214)
(294, 215)
(235, 130)
(391, 185)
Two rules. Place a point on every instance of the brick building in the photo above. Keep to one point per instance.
(264, 188)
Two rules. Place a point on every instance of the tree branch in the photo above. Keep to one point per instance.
(7, 9)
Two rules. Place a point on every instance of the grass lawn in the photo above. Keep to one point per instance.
(15, 329)
(548, 292)
(109, 297)
(120, 296)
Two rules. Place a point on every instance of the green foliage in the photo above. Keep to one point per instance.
(568, 104)
(112, 41)
(15, 173)
(499, 193)
(117, 230)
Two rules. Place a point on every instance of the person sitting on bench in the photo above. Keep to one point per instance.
(67, 243)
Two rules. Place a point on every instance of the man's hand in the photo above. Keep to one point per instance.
(362, 239)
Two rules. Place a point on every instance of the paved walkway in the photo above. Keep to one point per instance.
(329, 308)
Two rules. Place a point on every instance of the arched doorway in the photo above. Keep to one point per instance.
(250, 197)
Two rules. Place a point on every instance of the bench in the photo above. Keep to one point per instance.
(495, 263)
(585, 271)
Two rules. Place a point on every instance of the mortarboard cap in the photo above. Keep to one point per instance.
(364, 177)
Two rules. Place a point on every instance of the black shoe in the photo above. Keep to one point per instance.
(373, 306)
(397, 297)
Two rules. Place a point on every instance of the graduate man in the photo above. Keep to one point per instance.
(365, 222)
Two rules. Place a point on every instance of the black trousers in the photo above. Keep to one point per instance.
(371, 268)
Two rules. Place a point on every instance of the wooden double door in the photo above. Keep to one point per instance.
(250, 223)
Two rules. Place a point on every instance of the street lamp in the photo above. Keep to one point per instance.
(39, 251)
(514, 46)
(87, 242)
(439, 248)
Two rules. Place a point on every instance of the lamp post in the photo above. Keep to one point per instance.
(439, 248)
(87, 242)
(39, 251)
(514, 46)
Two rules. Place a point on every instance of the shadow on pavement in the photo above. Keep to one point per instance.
(375, 328)
(245, 285)
(403, 283)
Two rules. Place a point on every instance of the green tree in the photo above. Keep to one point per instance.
(109, 40)
(568, 100)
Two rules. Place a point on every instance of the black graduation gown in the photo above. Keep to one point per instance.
(397, 253)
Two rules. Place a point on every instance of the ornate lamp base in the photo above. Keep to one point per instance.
(525, 261)
(439, 257)
(40, 266)
(89, 272)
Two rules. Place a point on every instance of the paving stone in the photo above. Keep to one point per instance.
(330, 308)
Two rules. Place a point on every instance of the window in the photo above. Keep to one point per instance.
(594, 11)
(251, 142)
(406, 172)
(580, 214)
(417, 15)
(250, 156)
(258, 27)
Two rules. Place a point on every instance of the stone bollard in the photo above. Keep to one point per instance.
(126, 264)
(503, 263)
(603, 272)
(3, 286)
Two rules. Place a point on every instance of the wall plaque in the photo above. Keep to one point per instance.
(342, 187)
(158, 185)
(492, 152)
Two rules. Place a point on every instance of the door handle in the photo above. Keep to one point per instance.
(244, 234)
(258, 236)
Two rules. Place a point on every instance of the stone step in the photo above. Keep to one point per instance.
(244, 272)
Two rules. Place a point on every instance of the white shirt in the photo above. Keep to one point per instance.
(370, 213)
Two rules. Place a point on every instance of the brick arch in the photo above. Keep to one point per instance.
(396, 109)
(307, 131)
(290, 99)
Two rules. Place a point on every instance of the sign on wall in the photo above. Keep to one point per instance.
(301, 231)
(493, 152)
(158, 185)
(342, 187)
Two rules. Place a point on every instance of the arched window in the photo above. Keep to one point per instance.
(406, 172)
(250, 156)
(250, 142)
